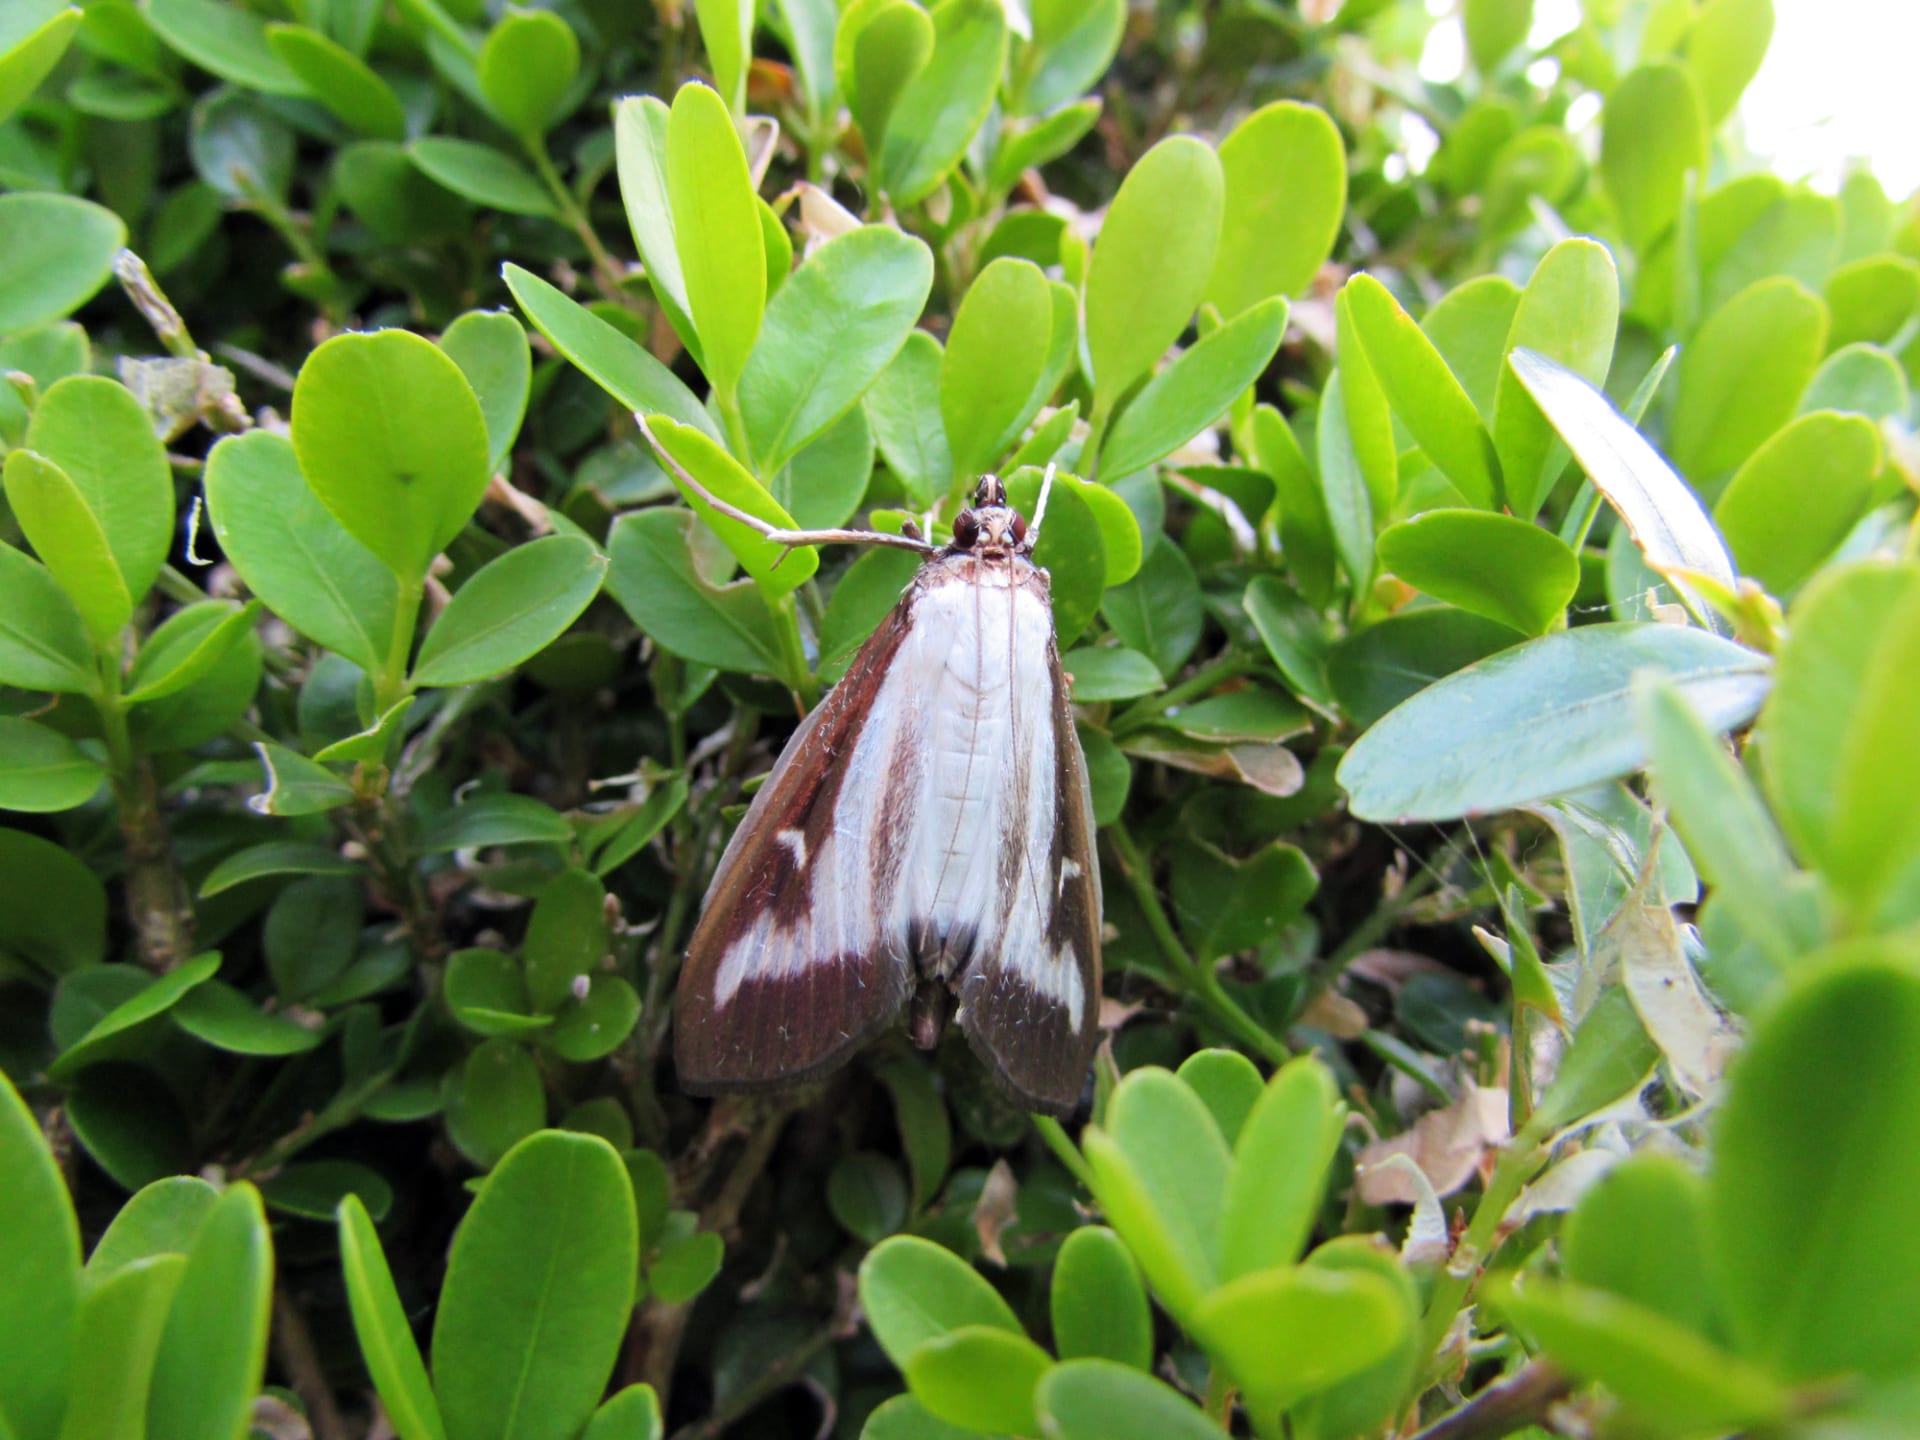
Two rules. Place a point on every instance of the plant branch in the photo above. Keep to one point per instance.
(1513, 1403)
(293, 1342)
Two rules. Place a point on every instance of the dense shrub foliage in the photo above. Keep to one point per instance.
(1443, 471)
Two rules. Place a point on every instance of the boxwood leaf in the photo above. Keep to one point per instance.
(493, 1102)
(591, 1027)
(116, 1340)
(979, 1377)
(511, 609)
(879, 47)
(162, 1219)
(1096, 1399)
(1797, 497)
(295, 784)
(1099, 1306)
(43, 641)
(39, 1274)
(716, 230)
(829, 332)
(1195, 390)
(1505, 568)
(275, 857)
(654, 575)
(640, 150)
(392, 440)
(340, 80)
(776, 569)
(514, 1351)
(1545, 718)
(903, 407)
(55, 252)
(32, 43)
(1653, 133)
(491, 350)
(935, 117)
(53, 515)
(229, 42)
(1152, 262)
(496, 819)
(630, 1414)
(996, 352)
(228, 1020)
(42, 771)
(188, 647)
(380, 1324)
(914, 1291)
(1280, 1164)
(526, 67)
(482, 174)
(1285, 168)
(1110, 672)
(213, 1351)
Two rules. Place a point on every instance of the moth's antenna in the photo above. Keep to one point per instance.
(1040, 506)
(790, 538)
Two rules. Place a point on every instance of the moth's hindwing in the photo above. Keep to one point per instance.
(757, 1004)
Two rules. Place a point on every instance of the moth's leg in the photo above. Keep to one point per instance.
(789, 538)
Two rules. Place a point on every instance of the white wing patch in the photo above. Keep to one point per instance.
(963, 724)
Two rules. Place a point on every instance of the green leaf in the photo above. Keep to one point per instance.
(53, 908)
(162, 1219)
(685, 1266)
(313, 1189)
(625, 370)
(654, 574)
(640, 149)
(1347, 498)
(1493, 28)
(98, 433)
(227, 1019)
(1227, 1082)
(1568, 313)
(492, 1104)
(868, 1195)
(1385, 664)
(1860, 380)
(293, 554)
(242, 149)
(526, 67)
(1071, 548)
(1798, 496)
(130, 1124)
(275, 857)
(1160, 1171)
(229, 41)
(1369, 1399)
(53, 515)
(31, 44)
(189, 647)
(823, 485)
(510, 610)
(1072, 44)
(215, 702)
(1195, 390)
(1152, 263)
(42, 771)
(1542, 719)
(630, 1414)
(116, 1339)
(39, 1274)
(1327, 1325)
(726, 31)
(716, 224)
(1295, 636)
(483, 175)
(869, 588)
(491, 350)
(592, 1026)
(829, 333)
(879, 47)
(340, 80)
(1640, 1233)
(1227, 905)
(1670, 1374)
(312, 933)
(1654, 133)
(566, 937)
(1110, 672)
(925, 1132)
(776, 569)
(1805, 1155)
(495, 819)
(913, 1291)
(1044, 140)
(1741, 377)
(1660, 513)
(1494, 565)
(1469, 326)
(1099, 1306)
(539, 1288)
(1102, 1400)
(380, 1324)
(1159, 612)
(1724, 48)
(1727, 830)
(903, 407)
(213, 1352)
(487, 992)
(935, 117)
(296, 785)
(392, 440)
(1285, 168)
(55, 252)
(1871, 298)
(996, 353)
(1423, 391)
(1280, 1164)
(43, 640)
(979, 1377)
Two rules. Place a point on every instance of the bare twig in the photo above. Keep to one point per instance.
(1520, 1400)
(293, 1342)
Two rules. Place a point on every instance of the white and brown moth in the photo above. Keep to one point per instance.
(924, 844)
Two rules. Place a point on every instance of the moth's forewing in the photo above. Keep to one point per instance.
(1035, 1043)
(792, 1014)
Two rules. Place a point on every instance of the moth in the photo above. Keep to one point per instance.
(923, 846)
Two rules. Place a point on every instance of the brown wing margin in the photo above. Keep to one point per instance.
(782, 1027)
(1025, 1037)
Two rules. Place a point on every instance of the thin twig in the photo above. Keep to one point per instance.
(294, 1344)
(1520, 1400)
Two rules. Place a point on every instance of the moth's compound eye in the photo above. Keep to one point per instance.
(966, 529)
(1019, 529)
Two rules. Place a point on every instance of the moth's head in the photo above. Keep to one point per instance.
(990, 527)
